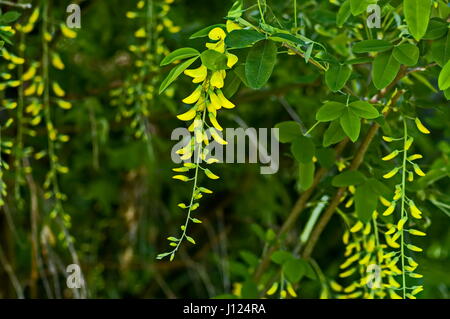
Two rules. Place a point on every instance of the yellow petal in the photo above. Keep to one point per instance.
(391, 173)
(390, 156)
(69, 33)
(224, 101)
(416, 232)
(215, 101)
(64, 104)
(414, 248)
(194, 97)
(357, 227)
(415, 212)
(58, 90)
(217, 34)
(232, 60)
(231, 26)
(199, 74)
(217, 137)
(214, 122)
(389, 210)
(57, 62)
(418, 170)
(272, 289)
(217, 79)
(421, 127)
(189, 115)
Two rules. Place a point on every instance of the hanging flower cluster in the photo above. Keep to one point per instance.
(207, 99)
(376, 251)
(135, 97)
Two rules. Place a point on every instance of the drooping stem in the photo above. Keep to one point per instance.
(402, 244)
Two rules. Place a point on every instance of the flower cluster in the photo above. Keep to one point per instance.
(135, 97)
(207, 99)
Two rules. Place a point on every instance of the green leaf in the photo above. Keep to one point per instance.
(9, 17)
(205, 31)
(417, 14)
(214, 60)
(330, 111)
(440, 50)
(407, 54)
(366, 201)
(232, 84)
(289, 38)
(359, 6)
(293, 269)
(236, 10)
(437, 28)
(175, 73)
(384, 70)
(326, 157)
(372, 46)
(343, 14)
(260, 63)
(303, 149)
(444, 77)
(281, 256)
(249, 290)
(306, 175)
(348, 178)
(351, 124)
(336, 76)
(288, 131)
(364, 109)
(334, 134)
(243, 38)
(179, 54)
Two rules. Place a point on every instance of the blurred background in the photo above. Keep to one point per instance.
(121, 198)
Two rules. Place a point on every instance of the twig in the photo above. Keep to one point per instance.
(18, 5)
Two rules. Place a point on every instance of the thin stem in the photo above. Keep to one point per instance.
(17, 5)
(312, 128)
(261, 12)
(194, 188)
(295, 15)
(405, 154)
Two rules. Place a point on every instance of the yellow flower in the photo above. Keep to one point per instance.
(392, 243)
(140, 33)
(414, 248)
(357, 227)
(408, 143)
(231, 26)
(215, 101)
(199, 74)
(189, 115)
(401, 223)
(272, 289)
(389, 210)
(348, 273)
(291, 290)
(210, 174)
(391, 173)
(217, 137)
(414, 157)
(217, 34)
(335, 286)
(64, 104)
(31, 72)
(417, 290)
(418, 170)
(232, 60)
(224, 101)
(390, 156)
(417, 232)
(69, 33)
(384, 201)
(217, 79)
(58, 90)
(34, 16)
(57, 62)
(415, 212)
(421, 127)
(194, 97)
(214, 122)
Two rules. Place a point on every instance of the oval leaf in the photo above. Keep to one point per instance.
(351, 124)
(417, 14)
(407, 54)
(372, 46)
(260, 63)
(384, 70)
(242, 38)
(330, 111)
(444, 77)
(364, 110)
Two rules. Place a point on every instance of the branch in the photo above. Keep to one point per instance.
(18, 5)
